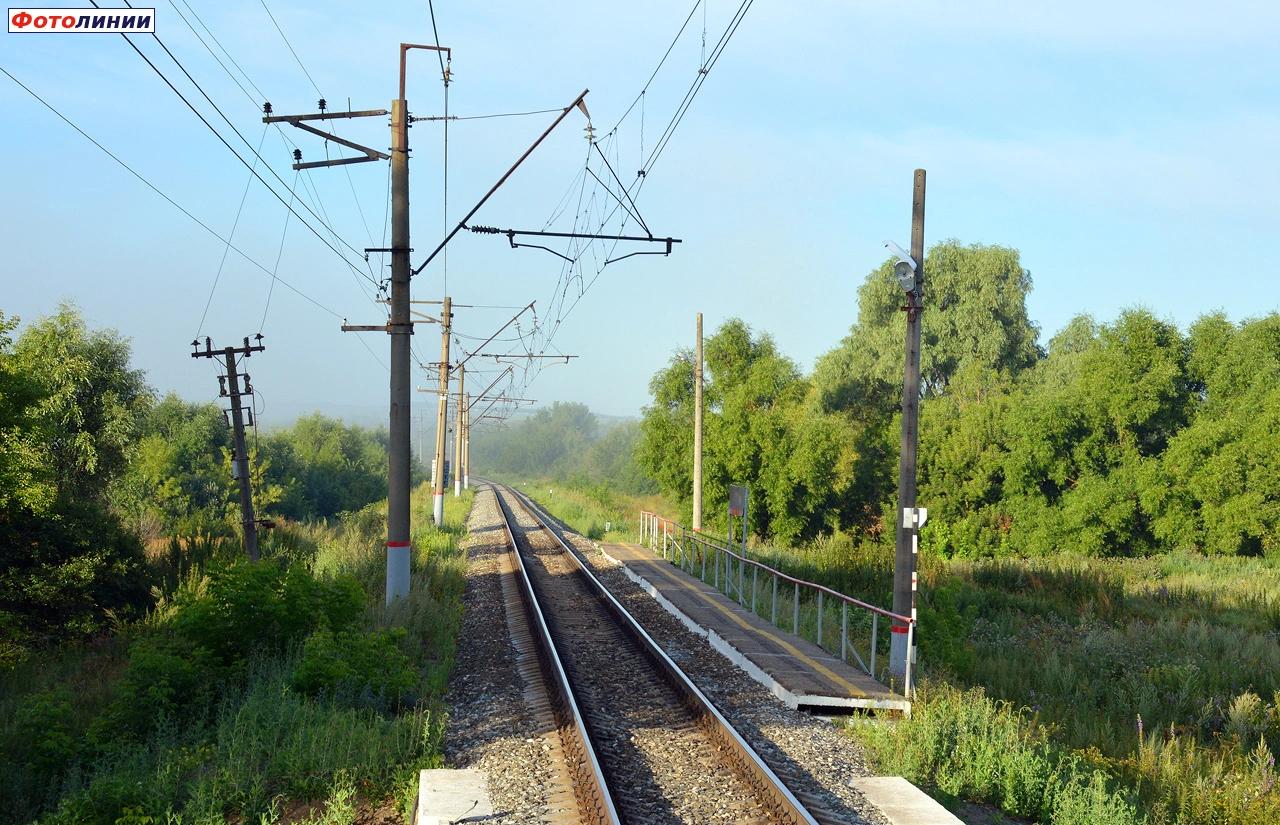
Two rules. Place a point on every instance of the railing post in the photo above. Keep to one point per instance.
(715, 563)
(844, 631)
(664, 540)
(819, 618)
(702, 555)
(795, 613)
(907, 688)
(742, 580)
(754, 578)
(875, 620)
(773, 614)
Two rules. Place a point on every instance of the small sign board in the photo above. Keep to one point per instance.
(737, 500)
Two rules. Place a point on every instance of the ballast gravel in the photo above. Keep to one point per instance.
(490, 727)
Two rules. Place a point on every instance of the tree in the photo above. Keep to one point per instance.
(323, 467)
(975, 313)
(758, 430)
(90, 403)
(25, 481)
(1216, 488)
(176, 483)
(67, 566)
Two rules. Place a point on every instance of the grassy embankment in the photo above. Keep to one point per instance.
(1064, 689)
(282, 691)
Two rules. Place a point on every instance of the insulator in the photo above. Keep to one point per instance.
(322, 104)
(297, 155)
(266, 108)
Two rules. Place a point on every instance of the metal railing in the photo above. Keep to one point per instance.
(713, 562)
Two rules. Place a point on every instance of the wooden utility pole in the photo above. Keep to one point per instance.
(442, 414)
(904, 567)
(697, 430)
(458, 432)
(230, 387)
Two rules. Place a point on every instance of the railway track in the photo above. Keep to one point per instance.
(640, 742)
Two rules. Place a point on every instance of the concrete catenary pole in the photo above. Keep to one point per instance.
(466, 443)
(697, 430)
(400, 327)
(442, 414)
(904, 567)
(240, 461)
(458, 433)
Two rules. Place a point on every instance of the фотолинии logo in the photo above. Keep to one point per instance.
(91, 21)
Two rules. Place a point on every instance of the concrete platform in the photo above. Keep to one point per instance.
(903, 803)
(798, 672)
(447, 796)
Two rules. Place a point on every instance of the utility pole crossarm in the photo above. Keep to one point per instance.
(322, 116)
(517, 356)
(297, 122)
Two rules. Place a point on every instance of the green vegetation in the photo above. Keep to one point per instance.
(254, 689)
(966, 746)
(106, 492)
(148, 673)
(1121, 439)
(1100, 578)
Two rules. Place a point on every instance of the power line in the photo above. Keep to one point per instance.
(170, 200)
(222, 263)
(350, 183)
(703, 73)
(658, 68)
(431, 6)
(275, 269)
(290, 45)
(313, 193)
(230, 148)
(448, 117)
(571, 270)
(255, 101)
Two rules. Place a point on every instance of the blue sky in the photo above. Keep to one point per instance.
(1128, 150)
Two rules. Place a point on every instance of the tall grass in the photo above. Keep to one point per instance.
(1070, 653)
(964, 745)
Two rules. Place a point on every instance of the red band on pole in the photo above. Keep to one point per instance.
(397, 544)
(898, 628)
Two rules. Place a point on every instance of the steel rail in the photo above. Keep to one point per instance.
(757, 771)
(596, 794)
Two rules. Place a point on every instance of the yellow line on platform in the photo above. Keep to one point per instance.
(744, 624)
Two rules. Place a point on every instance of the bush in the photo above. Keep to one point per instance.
(355, 667)
(210, 633)
(247, 607)
(66, 577)
(165, 675)
(44, 728)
